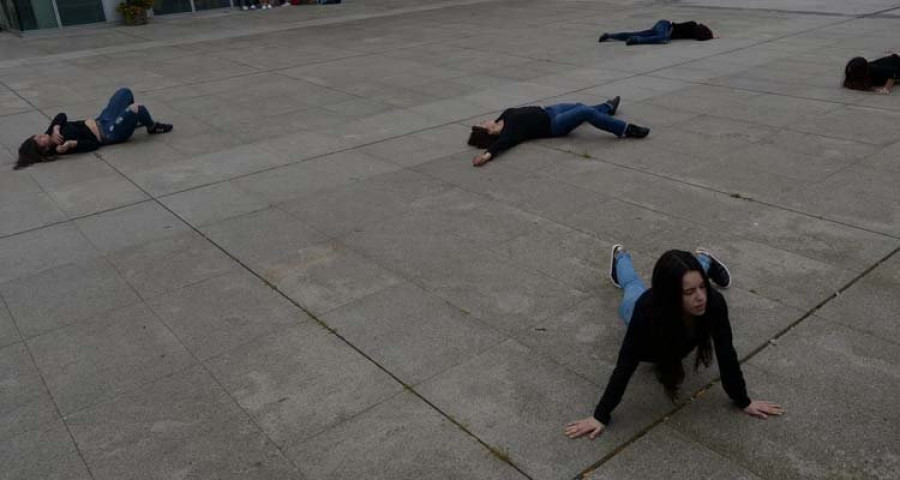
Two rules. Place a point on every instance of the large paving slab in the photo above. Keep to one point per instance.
(308, 279)
(830, 405)
(395, 436)
(301, 382)
(181, 424)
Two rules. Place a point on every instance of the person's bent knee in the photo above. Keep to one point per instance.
(125, 92)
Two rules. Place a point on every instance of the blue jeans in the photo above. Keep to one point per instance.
(660, 33)
(632, 284)
(565, 117)
(117, 122)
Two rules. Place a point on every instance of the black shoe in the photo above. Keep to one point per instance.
(160, 128)
(603, 38)
(718, 272)
(613, 275)
(636, 131)
(613, 104)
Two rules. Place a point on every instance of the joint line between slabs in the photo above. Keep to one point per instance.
(344, 340)
(60, 416)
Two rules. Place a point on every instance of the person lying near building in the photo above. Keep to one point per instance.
(115, 124)
(662, 32)
(876, 76)
(517, 125)
(679, 314)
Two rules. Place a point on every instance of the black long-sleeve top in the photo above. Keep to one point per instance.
(78, 131)
(884, 69)
(520, 124)
(641, 346)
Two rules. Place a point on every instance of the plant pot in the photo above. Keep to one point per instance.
(135, 18)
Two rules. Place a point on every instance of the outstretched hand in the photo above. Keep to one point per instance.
(589, 426)
(762, 409)
(480, 160)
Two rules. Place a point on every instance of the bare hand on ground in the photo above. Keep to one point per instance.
(589, 426)
(882, 91)
(762, 409)
(480, 160)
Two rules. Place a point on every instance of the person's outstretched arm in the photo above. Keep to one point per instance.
(886, 89)
(507, 139)
(629, 358)
(730, 371)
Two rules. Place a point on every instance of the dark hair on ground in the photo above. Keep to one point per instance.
(703, 33)
(668, 319)
(481, 138)
(29, 153)
(856, 74)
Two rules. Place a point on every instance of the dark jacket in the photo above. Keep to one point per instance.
(640, 345)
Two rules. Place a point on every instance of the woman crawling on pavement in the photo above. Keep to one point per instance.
(678, 315)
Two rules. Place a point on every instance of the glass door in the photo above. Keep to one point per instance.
(161, 7)
(35, 14)
(79, 12)
(209, 4)
(9, 19)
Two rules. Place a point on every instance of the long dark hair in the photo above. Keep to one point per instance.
(29, 153)
(668, 319)
(481, 138)
(703, 33)
(856, 74)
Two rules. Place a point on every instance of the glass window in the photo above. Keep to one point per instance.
(208, 4)
(35, 14)
(9, 19)
(161, 7)
(78, 12)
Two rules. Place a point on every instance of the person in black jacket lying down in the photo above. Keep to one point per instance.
(115, 124)
(517, 125)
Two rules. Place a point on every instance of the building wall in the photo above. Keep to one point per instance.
(25, 15)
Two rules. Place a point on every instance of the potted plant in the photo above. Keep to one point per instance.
(134, 12)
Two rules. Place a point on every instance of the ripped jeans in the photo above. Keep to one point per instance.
(117, 122)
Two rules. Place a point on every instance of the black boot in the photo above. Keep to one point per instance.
(636, 131)
(613, 104)
(603, 38)
(160, 128)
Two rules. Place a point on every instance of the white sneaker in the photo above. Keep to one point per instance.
(244, 8)
(252, 7)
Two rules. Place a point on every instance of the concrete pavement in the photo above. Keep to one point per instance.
(307, 278)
